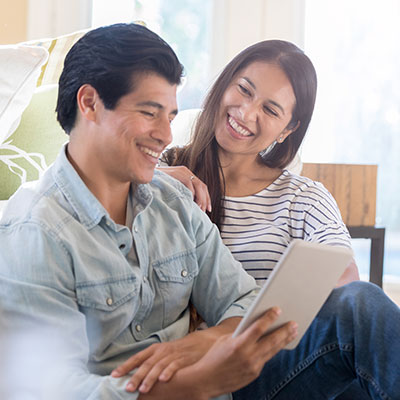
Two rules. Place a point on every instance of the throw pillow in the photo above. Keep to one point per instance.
(57, 48)
(19, 70)
(34, 145)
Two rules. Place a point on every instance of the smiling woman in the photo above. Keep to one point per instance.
(253, 122)
(255, 114)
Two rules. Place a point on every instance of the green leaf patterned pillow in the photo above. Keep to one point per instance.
(34, 145)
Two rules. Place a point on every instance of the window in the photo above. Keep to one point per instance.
(354, 47)
(184, 24)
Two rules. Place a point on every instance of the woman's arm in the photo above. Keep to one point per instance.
(192, 182)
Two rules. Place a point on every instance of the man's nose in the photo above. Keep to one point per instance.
(162, 131)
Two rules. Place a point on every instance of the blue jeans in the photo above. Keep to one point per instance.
(355, 337)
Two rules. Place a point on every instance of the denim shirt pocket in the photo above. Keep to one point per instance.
(109, 306)
(175, 277)
(106, 295)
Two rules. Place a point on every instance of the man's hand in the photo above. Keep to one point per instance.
(194, 184)
(230, 364)
(236, 362)
(160, 361)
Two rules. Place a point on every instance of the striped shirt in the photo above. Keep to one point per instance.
(258, 228)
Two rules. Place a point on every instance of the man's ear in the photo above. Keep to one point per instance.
(88, 100)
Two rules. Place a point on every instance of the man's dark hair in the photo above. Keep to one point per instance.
(109, 59)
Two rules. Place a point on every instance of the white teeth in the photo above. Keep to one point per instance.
(240, 130)
(150, 152)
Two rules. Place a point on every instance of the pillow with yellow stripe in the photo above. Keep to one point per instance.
(58, 48)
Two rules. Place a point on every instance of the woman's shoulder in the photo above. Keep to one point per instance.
(300, 187)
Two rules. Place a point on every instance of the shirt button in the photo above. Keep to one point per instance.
(108, 223)
(184, 273)
(122, 246)
(109, 301)
(138, 327)
(135, 229)
(144, 279)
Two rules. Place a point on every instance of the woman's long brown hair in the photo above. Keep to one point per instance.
(201, 154)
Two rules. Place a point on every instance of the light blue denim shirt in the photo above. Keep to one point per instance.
(104, 290)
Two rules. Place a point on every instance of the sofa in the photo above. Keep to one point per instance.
(30, 136)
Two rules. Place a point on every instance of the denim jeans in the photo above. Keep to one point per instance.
(354, 338)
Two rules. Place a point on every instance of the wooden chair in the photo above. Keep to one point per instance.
(354, 188)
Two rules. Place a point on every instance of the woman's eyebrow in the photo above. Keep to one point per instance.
(249, 82)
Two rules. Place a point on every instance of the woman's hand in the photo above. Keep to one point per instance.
(194, 184)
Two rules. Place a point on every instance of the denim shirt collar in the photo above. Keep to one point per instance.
(86, 205)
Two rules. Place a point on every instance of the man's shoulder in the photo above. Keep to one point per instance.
(169, 188)
(29, 201)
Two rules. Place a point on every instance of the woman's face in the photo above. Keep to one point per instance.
(255, 110)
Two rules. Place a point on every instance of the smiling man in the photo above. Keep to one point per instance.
(101, 258)
(114, 252)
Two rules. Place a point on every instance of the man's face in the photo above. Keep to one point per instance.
(131, 137)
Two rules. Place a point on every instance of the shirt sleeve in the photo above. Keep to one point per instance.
(323, 220)
(222, 289)
(42, 322)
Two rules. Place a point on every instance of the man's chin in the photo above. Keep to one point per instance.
(147, 178)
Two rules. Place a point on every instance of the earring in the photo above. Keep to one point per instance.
(280, 139)
(267, 150)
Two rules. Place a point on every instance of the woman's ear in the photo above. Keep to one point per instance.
(87, 100)
(292, 127)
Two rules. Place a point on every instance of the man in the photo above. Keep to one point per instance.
(103, 256)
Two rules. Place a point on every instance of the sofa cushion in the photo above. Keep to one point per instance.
(57, 48)
(35, 143)
(20, 67)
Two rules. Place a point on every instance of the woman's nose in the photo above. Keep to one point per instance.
(249, 111)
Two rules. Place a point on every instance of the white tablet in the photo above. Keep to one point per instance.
(299, 284)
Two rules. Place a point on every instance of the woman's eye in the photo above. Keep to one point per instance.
(244, 90)
(270, 111)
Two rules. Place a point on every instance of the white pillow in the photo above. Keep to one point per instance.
(183, 125)
(20, 67)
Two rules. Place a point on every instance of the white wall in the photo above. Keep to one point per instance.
(50, 18)
(238, 24)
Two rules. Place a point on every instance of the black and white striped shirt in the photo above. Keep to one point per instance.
(258, 228)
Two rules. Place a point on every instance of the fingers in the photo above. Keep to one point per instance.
(193, 183)
(163, 371)
(130, 364)
(201, 194)
(278, 339)
(146, 376)
(258, 328)
(256, 332)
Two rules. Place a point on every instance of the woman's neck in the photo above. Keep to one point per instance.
(245, 176)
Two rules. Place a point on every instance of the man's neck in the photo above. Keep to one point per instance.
(113, 196)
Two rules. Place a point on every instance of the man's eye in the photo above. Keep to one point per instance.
(148, 114)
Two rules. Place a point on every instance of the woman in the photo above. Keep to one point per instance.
(253, 122)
